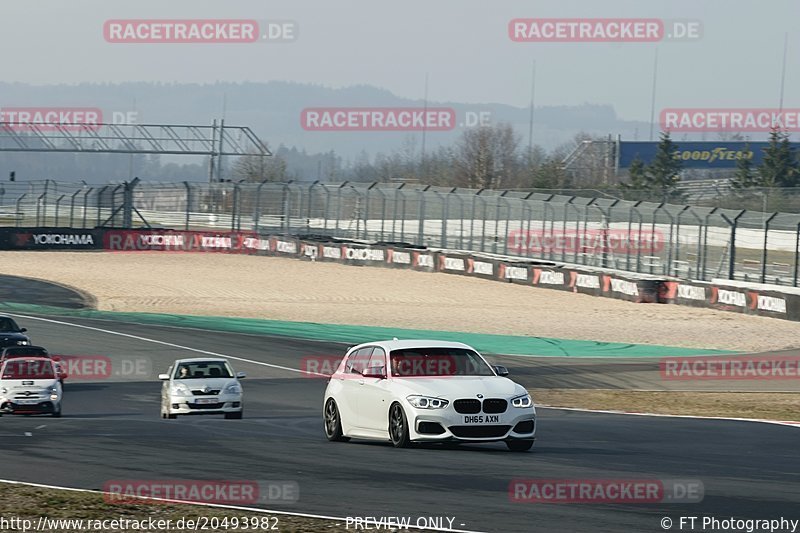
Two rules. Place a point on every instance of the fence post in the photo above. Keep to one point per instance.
(564, 227)
(383, 213)
(527, 236)
(796, 253)
(339, 206)
(606, 229)
(472, 220)
(764, 250)
(705, 242)
(678, 235)
(286, 193)
(640, 219)
(421, 216)
(234, 206)
(58, 203)
(86, 204)
(72, 207)
(310, 204)
(127, 202)
(18, 215)
(734, 224)
(699, 243)
(327, 208)
(39, 201)
(581, 238)
(367, 196)
(188, 204)
(500, 199)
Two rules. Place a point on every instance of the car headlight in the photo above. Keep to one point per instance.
(22, 342)
(179, 389)
(427, 402)
(233, 388)
(522, 401)
(3, 390)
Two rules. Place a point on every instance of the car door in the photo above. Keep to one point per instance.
(375, 396)
(350, 383)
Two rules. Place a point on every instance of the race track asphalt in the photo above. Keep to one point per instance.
(111, 430)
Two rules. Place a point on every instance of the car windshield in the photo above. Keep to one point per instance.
(428, 362)
(203, 370)
(28, 369)
(6, 324)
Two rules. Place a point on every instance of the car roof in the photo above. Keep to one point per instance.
(200, 360)
(397, 344)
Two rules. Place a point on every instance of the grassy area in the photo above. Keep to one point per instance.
(31, 503)
(764, 405)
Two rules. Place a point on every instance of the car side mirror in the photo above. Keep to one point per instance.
(375, 372)
(500, 370)
(241, 375)
(163, 377)
(23, 330)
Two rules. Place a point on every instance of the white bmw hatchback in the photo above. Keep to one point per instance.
(426, 391)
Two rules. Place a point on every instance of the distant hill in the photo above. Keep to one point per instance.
(273, 111)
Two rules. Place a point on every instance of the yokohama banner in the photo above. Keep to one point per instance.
(50, 239)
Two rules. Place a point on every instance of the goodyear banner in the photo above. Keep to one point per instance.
(705, 154)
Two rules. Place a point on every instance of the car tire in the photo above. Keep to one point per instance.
(332, 421)
(398, 426)
(521, 445)
(234, 416)
(56, 413)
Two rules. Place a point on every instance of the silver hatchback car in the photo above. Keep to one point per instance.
(201, 386)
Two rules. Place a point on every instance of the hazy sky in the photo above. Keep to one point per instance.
(463, 45)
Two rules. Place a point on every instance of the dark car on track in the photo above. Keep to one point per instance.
(11, 334)
(16, 352)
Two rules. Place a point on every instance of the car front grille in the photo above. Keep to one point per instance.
(199, 392)
(217, 405)
(30, 397)
(495, 405)
(467, 406)
(479, 432)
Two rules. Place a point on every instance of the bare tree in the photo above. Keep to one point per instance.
(487, 157)
(257, 168)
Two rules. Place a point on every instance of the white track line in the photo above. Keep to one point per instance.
(216, 505)
(612, 412)
(170, 344)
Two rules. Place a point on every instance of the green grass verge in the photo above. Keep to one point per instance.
(349, 334)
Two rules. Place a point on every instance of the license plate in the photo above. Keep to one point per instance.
(481, 419)
(27, 402)
(206, 400)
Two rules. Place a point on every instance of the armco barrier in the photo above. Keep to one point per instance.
(731, 298)
(584, 280)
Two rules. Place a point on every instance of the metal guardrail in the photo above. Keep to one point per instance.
(637, 236)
